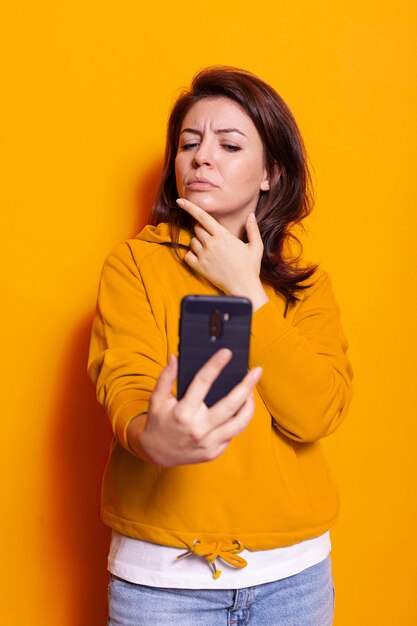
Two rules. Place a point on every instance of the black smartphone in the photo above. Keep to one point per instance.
(207, 324)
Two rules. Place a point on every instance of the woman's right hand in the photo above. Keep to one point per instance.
(179, 432)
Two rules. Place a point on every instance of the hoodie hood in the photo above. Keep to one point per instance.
(160, 234)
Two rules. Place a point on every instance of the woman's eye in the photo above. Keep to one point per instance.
(231, 148)
(189, 146)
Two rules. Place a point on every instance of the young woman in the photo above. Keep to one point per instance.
(221, 515)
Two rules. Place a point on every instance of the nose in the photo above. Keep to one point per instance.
(203, 156)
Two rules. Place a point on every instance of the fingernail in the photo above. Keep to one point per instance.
(180, 202)
(257, 373)
(170, 362)
(225, 354)
(252, 217)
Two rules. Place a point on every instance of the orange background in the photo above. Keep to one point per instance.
(86, 91)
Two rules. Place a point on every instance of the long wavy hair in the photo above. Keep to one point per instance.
(289, 199)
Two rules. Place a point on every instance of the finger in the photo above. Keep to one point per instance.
(210, 224)
(191, 258)
(163, 387)
(203, 236)
(205, 377)
(196, 246)
(236, 424)
(230, 405)
(252, 230)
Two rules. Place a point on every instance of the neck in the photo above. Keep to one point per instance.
(235, 226)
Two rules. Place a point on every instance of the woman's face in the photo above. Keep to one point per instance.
(220, 161)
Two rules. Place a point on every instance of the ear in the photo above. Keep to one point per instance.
(265, 186)
(270, 178)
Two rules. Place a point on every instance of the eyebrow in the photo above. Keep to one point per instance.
(220, 131)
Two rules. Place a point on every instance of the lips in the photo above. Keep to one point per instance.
(200, 184)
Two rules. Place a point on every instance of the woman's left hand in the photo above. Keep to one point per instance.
(222, 258)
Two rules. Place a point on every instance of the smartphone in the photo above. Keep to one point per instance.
(207, 324)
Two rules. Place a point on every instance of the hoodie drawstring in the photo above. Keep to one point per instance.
(228, 552)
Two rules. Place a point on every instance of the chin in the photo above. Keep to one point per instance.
(204, 202)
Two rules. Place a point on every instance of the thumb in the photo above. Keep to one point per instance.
(252, 230)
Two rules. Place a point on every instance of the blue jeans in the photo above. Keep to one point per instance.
(305, 599)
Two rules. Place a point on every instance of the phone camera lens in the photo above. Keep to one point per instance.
(215, 329)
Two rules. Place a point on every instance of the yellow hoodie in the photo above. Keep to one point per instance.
(271, 487)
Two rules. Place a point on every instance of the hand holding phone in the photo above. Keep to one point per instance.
(215, 390)
(179, 432)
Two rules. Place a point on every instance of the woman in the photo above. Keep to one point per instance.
(241, 485)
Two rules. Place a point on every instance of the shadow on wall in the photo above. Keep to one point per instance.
(80, 445)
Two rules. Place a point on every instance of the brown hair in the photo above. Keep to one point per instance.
(289, 198)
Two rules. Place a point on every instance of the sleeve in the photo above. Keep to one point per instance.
(127, 351)
(306, 384)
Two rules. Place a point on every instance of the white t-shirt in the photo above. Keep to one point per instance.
(150, 564)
